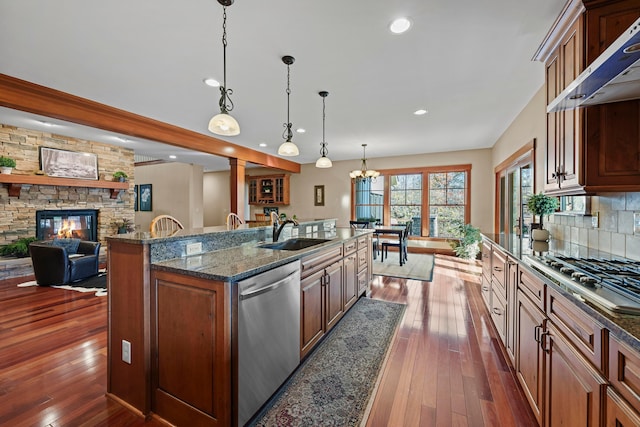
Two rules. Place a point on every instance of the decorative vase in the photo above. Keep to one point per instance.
(6, 170)
(540, 235)
(122, 230)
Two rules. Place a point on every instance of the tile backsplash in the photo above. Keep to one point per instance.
(615, 231)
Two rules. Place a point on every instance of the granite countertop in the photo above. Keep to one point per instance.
(239, 262)
(625, 327)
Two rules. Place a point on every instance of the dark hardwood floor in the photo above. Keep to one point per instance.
(445, 367)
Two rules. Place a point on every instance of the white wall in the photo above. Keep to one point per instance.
(176, 191)
(337, 184)
(216, 198)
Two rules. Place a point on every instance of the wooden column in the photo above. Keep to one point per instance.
(236, 180)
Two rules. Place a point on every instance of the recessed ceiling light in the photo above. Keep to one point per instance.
(262, 144)
(211, 82)
(400, 25)
(420, 112)
(172, 156)
(301, 130)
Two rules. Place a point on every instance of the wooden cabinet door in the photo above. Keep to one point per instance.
(512, 286)
(311, 311)
(552, 160)
(574, 389)
(192, 348)
(570, 132)
(334, 306)
(253, 191)
(618, 412)
(529, 355)
(350, 281)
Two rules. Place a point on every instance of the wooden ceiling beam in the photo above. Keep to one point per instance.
(33, 98)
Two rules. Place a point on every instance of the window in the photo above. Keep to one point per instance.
(400, 195)
(447, 201)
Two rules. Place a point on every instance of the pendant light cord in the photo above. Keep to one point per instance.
(226, 104)
(287, 133)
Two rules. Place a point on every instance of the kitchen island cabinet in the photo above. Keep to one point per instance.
(178, 312)
(593, 148)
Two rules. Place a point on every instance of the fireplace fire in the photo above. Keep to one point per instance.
(74, 223)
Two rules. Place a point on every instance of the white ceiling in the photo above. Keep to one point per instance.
(467, 62)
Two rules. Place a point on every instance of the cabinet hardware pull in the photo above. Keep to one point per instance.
(536, 333)
(497, 311)
(543, 341)
(497, 268)
(485, 288)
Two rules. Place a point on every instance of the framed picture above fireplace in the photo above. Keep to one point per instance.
(68, 164)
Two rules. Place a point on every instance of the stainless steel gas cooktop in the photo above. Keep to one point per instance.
(613, 284)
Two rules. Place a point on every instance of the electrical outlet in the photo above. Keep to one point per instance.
(126, 352)
(636, 223)
(594, 220)
(194, 248)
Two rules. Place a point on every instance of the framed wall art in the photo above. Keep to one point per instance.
(318, 195)
(144, 202)
(68, 164)
(135, 197)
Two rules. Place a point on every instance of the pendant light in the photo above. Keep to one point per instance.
(223, 123)
(323, 161)
(364, 173)
(288, 148)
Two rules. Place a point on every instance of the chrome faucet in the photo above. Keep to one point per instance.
(278, 226)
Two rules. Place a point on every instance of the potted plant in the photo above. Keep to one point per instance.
(120, 176)
(19, 248)
(6, 164)
(467, 242)
(540, 204)
(125, 225)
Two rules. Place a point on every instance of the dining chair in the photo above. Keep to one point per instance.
(233, 221)
(360, 224)
(376, 240)
(165, 223)
(400, 243)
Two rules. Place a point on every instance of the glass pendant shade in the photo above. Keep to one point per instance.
(324, 162)
(224, 124)
(288, 148)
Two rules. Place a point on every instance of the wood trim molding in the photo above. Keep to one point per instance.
(513, 159)
(571, 11)
(30, 97)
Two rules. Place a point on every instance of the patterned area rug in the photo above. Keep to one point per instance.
(97, 284)
(418, 266)
(333, 385)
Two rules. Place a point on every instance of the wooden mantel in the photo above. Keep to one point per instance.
(15, 183)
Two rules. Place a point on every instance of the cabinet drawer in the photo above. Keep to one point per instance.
(486, 259)
(363, 242)
(533, 287)
(485, 289)
(362, 259)
(363, 283)
(350, 246)
(499, 313)
(624, 370)
(499, 270)
(582, 331)
(313, 263)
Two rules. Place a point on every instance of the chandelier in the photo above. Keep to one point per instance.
(364, 173)
(288, 148)
(223, 123)
(323, 161)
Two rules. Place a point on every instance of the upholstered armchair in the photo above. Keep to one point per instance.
(62, 261)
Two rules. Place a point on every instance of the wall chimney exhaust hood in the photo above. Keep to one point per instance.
(613, 76)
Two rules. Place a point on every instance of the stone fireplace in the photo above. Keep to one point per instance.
(68, 223)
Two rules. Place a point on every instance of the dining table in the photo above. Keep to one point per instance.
(398, 230)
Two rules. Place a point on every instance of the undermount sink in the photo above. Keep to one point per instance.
(293, 244)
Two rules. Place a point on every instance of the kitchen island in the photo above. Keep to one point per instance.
(173, 318)
(560, 342)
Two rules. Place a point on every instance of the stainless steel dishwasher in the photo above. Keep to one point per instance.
(268, 335)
